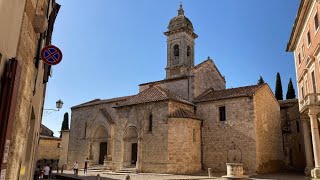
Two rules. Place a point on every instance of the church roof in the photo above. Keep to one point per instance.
(211, 94)
(153, 94)
(165, 80)
(99, 101)
(182, 113)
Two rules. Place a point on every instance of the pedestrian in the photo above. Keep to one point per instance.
(46, 172)
(38, 172)
(75, 168)
(63, 167)
(50, 171)
(85, 166)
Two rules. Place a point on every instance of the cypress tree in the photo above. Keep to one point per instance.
(65, 122)
(278, 92)
(291, 92)
(260, 81)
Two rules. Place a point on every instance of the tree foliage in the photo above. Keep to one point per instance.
(65, 122)
(290, 92)
(260, 81)
(278, 91)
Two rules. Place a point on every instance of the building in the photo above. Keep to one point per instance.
(304, 42)
(292, 135)
(49, 149)
(26, 27)
(187, 122)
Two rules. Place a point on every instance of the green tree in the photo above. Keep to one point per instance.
(65, 122)
(278, 92)
(291, 92)
(260, 81)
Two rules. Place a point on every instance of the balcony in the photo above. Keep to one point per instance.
(311, 99)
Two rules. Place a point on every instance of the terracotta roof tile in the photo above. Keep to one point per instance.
(99, 101)
(182, 113)
(153, 94)
(211, 95)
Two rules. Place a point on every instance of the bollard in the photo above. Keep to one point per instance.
(98, 177)
(209, 172)
(128, 177)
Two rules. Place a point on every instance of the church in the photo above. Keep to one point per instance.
(182, 124)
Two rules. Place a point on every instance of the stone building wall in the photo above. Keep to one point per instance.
(206, 76)
(269, 153)
(180, 86)
(85, 121)
(28, 112)
(150, 150)
(63, 159)
(292, 135)
(184, 146)
(217, 136)
(152, 146)
(49, 148)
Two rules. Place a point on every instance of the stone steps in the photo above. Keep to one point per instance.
(127, 170)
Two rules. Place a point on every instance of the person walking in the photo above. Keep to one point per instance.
(46, 172)
(85, 170)
(75, 168)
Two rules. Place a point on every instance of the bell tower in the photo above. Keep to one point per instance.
(180, 46)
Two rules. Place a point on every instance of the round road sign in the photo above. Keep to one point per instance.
(51, 55)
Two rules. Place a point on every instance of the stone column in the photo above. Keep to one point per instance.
(139, 159)
(307, 145)
(315, 173)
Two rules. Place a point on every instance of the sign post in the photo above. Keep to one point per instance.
(51, 55)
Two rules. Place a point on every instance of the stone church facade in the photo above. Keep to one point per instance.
(182, 124)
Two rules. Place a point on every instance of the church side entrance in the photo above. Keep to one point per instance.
(98, 146)
(130, 140)
(103, 151)
(134, 152)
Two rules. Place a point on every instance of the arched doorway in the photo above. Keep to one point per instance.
(130, 139)
(99, 145)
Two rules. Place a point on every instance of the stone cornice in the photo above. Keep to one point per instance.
(188, 31)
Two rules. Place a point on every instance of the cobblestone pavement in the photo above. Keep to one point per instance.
(150, 176)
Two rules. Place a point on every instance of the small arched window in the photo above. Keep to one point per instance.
(188, 51)
(150, 123)
(176, 50)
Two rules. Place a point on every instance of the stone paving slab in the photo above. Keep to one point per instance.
(154, 176)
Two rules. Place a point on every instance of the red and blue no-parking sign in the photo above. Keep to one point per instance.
(51, 55)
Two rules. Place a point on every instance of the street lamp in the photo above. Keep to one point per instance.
(59, 105)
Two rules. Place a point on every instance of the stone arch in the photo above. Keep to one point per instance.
(99, 142)
(176, 50)
(130, 146)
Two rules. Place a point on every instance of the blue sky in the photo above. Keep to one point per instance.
(111, 46)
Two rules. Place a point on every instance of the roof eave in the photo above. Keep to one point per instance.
(297, 26)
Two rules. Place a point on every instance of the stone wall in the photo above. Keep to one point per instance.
(206, 76)
(217, 136)
(49, 148)
(151, 146)
(268, 131)
(180, 86)
(85, 121)
(28, 113)
(292, 136)
(64, 147)
(184, 146)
